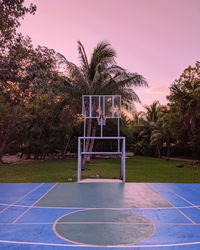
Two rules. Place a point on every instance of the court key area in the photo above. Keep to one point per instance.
(99, 215)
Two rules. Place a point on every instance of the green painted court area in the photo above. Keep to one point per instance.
(104, 227)
(103, 195)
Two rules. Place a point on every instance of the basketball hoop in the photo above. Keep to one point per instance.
(101, 108)
(101, 120)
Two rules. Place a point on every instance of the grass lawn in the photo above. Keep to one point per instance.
(139, 169)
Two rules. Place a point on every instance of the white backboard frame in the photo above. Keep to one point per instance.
(102, 106)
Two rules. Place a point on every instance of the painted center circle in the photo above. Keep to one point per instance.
(104, 227)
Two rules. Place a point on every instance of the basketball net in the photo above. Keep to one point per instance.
(101, 120)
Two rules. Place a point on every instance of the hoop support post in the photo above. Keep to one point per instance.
(79, 160)
(121, 153)
(124, 160)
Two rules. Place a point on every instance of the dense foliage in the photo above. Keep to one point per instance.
(173, 129)
(40, 99)
(40, 90)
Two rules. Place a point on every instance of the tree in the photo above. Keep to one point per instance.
(184, 100)
(12, 89)
(30, 82)
(45, 123)
(34, 102)
(100, 75)
(11, 12)
(153, 111)
(164, 131)
(148, 123)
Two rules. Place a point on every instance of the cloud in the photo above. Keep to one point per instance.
(160, 90)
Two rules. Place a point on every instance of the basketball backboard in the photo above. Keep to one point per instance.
(96, 106)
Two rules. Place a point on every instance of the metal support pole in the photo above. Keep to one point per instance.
(113, 106)
(124, 160)
(120, 104)
(84, 134)
(90, 106)
(100, 106)
(83, 107)
(100, 116)
(79, 161)
(118, 131)
(104, 105)
(121, 166)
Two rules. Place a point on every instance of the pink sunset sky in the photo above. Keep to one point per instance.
(155, 38)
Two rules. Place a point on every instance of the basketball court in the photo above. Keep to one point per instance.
(99, 215)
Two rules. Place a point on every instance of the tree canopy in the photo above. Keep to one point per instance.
(12, 11)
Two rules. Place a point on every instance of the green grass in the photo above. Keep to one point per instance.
(139, 169)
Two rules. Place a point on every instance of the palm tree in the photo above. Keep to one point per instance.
(98, 76)
(185, 101)
(188, 110)
(153, 111)
(165, 131)
(150, 125)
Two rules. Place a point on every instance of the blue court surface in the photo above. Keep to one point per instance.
(99, 216)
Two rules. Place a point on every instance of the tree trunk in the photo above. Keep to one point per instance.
(28, 156)
(66, 145)
(4, 143)
(2, 149)
(87, 144)
(158, 151)
(168, 150)
(91, 142)
(7, 132)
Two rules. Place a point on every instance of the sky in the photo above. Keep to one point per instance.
(155, 38)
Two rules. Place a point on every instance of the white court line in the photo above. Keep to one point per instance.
(21, 198)
(192, 204)
(187, 217)
(122, 208)
(123, 223)
(51, 223)
(74, 242)
(33, 205)
(112, 208)
(14, 205)
(110, 246)
(27, 223)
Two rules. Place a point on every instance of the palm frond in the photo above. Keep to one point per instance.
(103, 54)
(83, 57)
